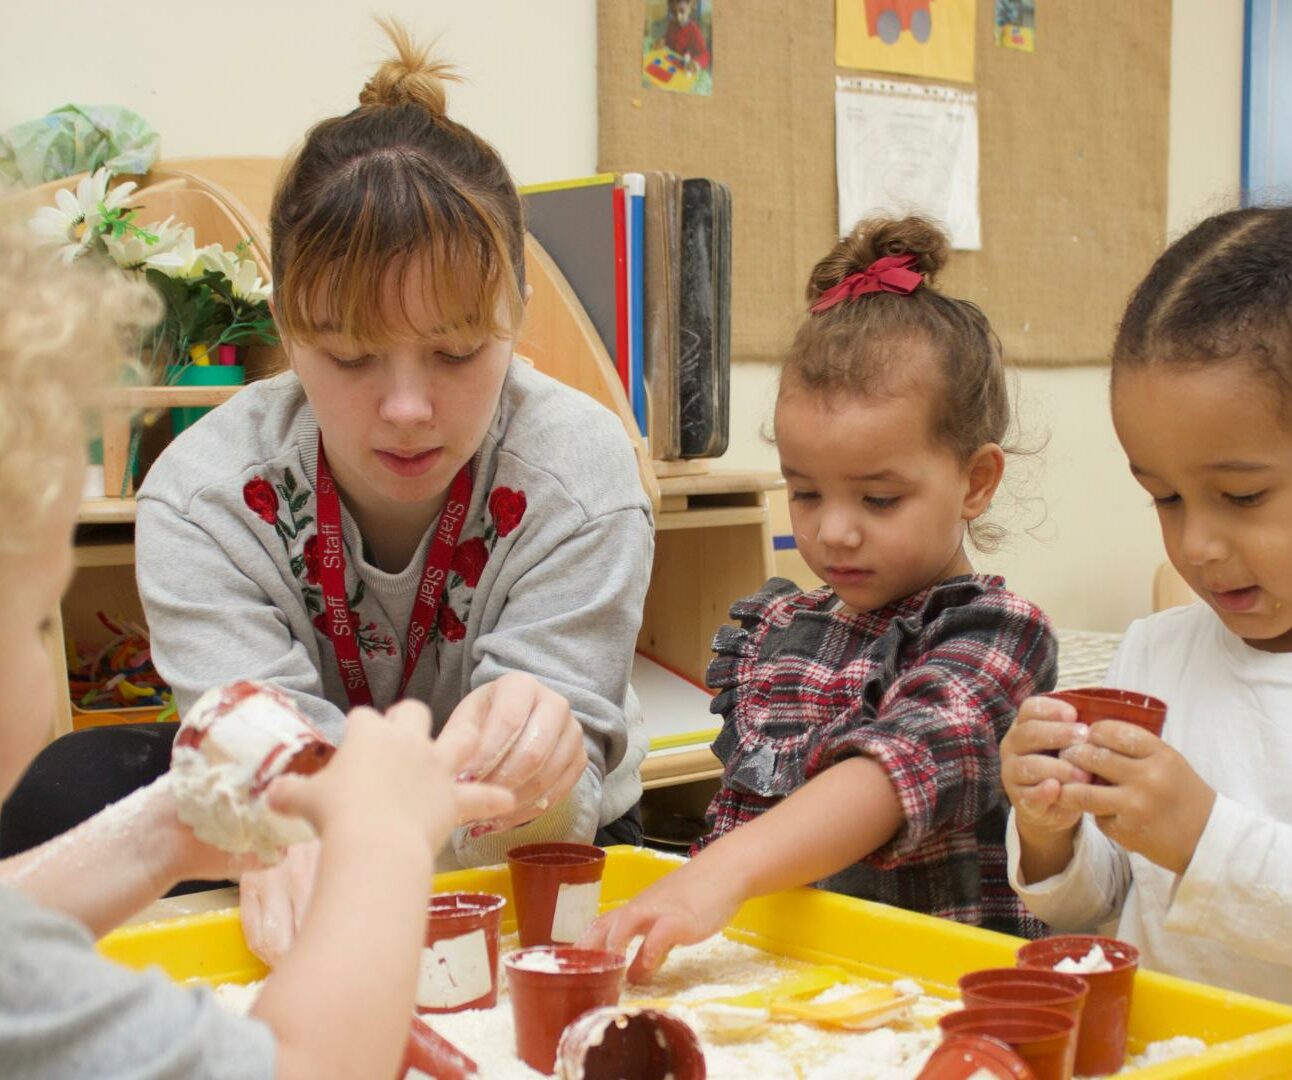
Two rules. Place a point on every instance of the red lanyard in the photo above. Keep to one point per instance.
(341, 628)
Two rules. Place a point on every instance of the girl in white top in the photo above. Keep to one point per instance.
(1189, 845)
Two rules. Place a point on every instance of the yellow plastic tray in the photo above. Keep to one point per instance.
(1249, 1039)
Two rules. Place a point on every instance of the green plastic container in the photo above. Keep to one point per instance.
(200, 375)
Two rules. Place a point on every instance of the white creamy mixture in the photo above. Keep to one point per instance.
(1094, 961)
(215, 781)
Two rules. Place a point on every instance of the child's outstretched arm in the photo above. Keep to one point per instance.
(383, 807)
(838, 817)
(109, 867)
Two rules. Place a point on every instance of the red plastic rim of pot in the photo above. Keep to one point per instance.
(1095, 703)
(561, 960)
(556, 854)
(450, 907)
(1001, 986)
(1012, 1025)
(959, 1057)
(1043, 1037)
(1044, 953)
(612, 1042)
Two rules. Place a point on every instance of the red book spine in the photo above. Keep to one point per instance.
(621, 291)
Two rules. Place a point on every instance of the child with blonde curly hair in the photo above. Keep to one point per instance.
(862, 720)
(66, 1011)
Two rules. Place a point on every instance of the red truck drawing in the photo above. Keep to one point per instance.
(886, 19)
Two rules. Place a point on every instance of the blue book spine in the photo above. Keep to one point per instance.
(636, 184)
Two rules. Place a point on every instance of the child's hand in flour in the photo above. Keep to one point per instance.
(681, 909)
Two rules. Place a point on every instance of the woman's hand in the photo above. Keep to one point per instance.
(530, 743)
(273, 901)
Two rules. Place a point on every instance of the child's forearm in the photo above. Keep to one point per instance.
(109, 867)
(1042, 853)
(341, 1001)
(838, 817)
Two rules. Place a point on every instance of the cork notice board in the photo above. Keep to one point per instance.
(1073, 161)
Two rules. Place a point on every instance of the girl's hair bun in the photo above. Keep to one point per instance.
(874, 238)
(410, 77)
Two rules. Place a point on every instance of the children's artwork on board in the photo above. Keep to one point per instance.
(1015, 26)
(933, 39)
(904, 148)
(677, 46)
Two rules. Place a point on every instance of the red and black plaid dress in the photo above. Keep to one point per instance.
(926, 686)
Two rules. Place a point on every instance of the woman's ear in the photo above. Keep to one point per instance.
(984, 470)
(525, 296)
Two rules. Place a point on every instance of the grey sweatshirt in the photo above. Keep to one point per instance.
(67, 1013)
(549, 578)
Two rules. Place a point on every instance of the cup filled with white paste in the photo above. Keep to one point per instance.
(230, 747)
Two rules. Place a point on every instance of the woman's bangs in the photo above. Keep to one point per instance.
(399, 269)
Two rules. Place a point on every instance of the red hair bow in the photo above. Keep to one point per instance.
(891, 274)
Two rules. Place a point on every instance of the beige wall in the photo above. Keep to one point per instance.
(532, 91)
(243, 77)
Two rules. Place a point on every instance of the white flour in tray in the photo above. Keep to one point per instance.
(723, 968)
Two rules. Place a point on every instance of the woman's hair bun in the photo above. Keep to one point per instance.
(410, 77)
(874, 238)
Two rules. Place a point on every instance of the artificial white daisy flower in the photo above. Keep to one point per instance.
(243, 274)
(153, 248)
(74, 220)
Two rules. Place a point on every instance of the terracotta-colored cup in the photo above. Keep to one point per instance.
(460, 958)
(433, 1055)
(1027, 987)
(969, 1057)
(1095, 703)
(557, 890)
(1039, 1036)
(551, 985)
(646, 1044)
(1101, 1035)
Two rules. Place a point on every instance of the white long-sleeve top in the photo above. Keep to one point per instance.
(1228, 919)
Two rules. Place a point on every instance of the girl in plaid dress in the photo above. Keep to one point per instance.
(862, 720)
